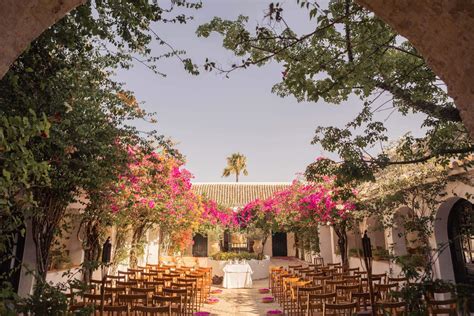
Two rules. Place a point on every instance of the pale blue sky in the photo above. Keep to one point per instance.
(211, 116)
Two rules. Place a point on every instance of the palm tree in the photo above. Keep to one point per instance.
(236, 164)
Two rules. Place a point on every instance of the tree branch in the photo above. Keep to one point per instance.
(429, 108)
(449, 151)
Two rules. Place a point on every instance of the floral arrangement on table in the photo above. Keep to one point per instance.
(274, 312)
(264, 291)
(202, 314)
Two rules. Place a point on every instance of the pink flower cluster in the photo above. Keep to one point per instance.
(300, 204)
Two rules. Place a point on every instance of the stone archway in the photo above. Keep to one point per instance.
(21, 21)
(441, 30)
(460, 234)
(443, 267)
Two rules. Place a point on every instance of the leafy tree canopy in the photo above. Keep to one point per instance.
(350, 52)
(70, 115)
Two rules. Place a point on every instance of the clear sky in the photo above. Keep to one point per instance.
(211, 116)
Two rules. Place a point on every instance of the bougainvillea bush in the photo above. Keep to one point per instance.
(155, 191)
(301, 207)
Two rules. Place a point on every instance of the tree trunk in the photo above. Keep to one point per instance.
(236, 177)
(340, 230)
(91, 247)
(44, 225)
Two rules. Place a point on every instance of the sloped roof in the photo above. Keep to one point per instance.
(238, 194)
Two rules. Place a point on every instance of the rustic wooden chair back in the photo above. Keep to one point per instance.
(126, 274)
(321, 280)
(345, 291)
(346, 309)
(385, 290)
(143, 290)
(330, 285)
(114, 291)
(151, 310)
(362, 300)
(315, 302)
(114, 310)
(353, 270)
(442, 307)
(95, 299)
(175, 303)
(362, 274)
(302, 297)
(126, 284)
(391, 308)
(352, 279)
(318, 261)
(132, 299)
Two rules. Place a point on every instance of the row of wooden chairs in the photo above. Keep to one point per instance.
(315, 288)
(182, 291)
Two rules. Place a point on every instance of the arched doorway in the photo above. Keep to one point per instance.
(199, 245)
(279, 245)
(461, 237)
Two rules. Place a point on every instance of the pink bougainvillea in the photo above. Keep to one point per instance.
(301, 204)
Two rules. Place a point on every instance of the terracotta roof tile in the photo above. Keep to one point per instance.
(238, 194)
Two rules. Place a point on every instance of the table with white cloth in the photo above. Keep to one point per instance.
(237, 276)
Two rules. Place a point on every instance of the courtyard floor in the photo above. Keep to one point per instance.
(240, 302)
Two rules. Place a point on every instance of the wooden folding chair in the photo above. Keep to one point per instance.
(344, 292)
(175, 303)
(182, 293)
(315, 302)
(362, 299)
(302, 295)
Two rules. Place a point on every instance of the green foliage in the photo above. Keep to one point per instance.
(355, 252)
(45, 300)
(65, 79)
(226, 256)
(380, 253)
(411, 260)
(350, 53)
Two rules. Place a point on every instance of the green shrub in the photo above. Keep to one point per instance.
(380, 253)
(225, 256)
(414, 260)
(355, 252)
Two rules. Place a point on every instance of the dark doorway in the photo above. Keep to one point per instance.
(200, 246)
(11, 259)
(279, 245)
(461, 235)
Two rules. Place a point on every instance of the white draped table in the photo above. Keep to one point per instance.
(237, 276)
